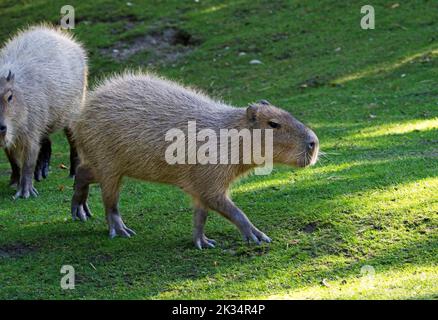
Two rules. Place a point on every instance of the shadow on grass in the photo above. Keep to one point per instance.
(162, 256)
(354, 179)
(146, 272)
(393, 257)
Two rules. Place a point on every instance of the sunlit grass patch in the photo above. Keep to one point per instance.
(398, 128)
(213, 8)
(387, 67)
(409, 282)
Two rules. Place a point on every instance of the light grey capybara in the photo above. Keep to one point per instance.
(121, 132)
(43, 78)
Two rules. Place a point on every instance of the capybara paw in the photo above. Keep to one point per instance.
(121, 232)
(25, 192)
(118, 228)
(80, 211)
(45, 170)
(13, 183)
(203, 242)
(38, 175)
(41, 172)
(256, 236)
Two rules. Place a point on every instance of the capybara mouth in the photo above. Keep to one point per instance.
(307, 154)
(306, 160)
(312, 159)
(302, 163)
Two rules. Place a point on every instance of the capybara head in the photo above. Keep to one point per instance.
(9, 113)
(293, 143)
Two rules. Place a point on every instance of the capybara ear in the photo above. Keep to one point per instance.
(10, 77)
(251, 113)
(264, 102)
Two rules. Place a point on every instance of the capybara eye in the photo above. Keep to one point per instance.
(273, 124)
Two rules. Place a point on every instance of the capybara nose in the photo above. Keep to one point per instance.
(3, 129)
(312, 145)
(312, 142)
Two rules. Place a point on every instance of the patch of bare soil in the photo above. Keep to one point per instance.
(163, 46)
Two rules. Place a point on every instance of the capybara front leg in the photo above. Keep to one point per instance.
(74, 158)
(25, 188)
(15, 175)
(199, 219)
(110, 195)
(43, 162)
(79, 207)
(229, 210)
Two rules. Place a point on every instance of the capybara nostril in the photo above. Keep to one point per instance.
(3, 129)
(312, 142)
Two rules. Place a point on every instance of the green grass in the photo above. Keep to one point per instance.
(372, 201)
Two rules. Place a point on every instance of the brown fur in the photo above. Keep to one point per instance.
(121, 131)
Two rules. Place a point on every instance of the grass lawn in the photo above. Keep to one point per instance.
(360, 224)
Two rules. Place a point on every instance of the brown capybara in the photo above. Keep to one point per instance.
(122, 131)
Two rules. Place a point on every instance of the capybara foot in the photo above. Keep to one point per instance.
(80, 211)
(255, 235)
(13, 182)
(38, 175)
(42, 166)
(118, 228)
(203, 242)
(26, 191)
(45, 170)
(41, 172)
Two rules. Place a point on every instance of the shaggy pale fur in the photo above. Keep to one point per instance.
(48, 79)
(121, 132)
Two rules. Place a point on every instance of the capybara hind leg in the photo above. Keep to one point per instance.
(74, 158)
(229, 210)
(25, 188)
(110, 195)
(199, 219)
(15, 175)
(43, 162)
(79, 207)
